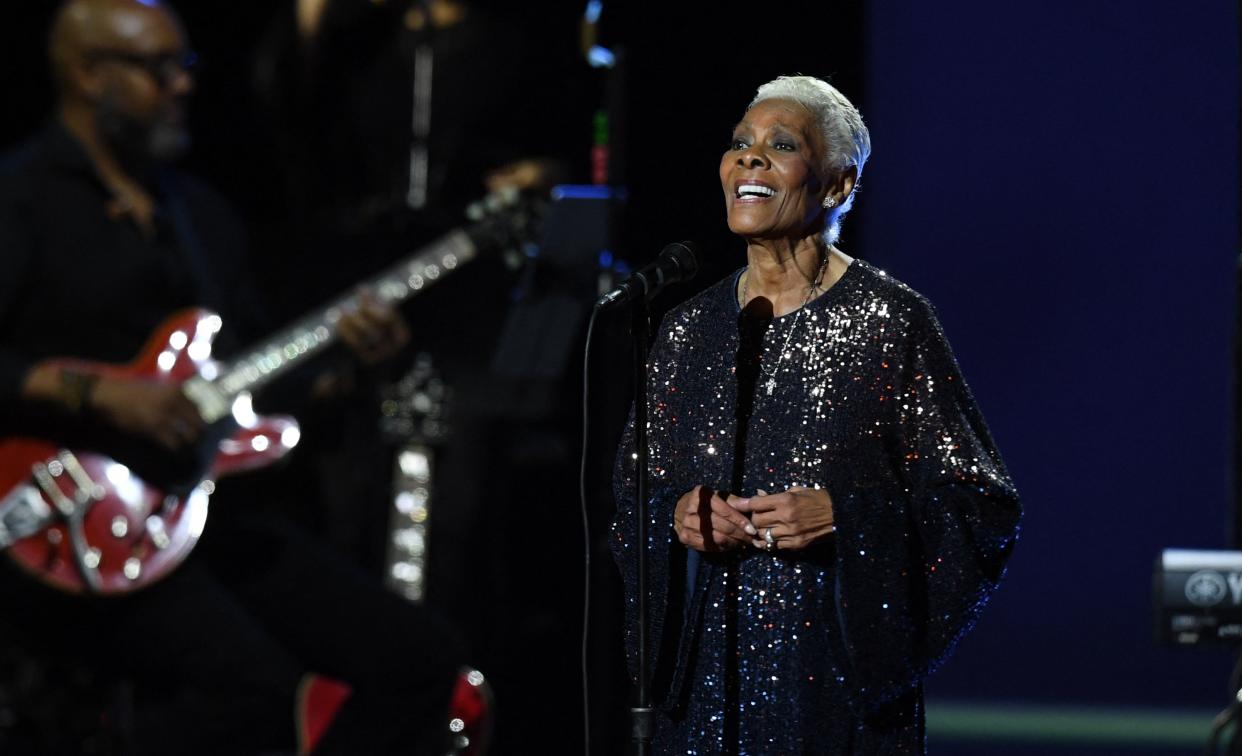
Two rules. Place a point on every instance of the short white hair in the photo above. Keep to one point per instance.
(847, 143)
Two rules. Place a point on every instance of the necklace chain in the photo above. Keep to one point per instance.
(770, 384)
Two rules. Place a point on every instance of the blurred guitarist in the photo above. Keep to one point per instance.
(99, 241)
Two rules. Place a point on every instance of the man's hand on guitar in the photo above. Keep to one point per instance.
(158, 411)
(374, 331)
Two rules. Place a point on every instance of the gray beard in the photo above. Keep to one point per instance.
(167, 142)
(160, 142)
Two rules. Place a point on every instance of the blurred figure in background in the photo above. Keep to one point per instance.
(394, 115)
(387, 119)
(99, 241)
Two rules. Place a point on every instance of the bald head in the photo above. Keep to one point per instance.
(82, 27)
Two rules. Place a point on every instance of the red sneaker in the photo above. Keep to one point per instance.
(470, 714)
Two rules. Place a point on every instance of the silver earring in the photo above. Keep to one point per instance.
(830, 202)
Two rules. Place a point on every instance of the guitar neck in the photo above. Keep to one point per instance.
(310, 335)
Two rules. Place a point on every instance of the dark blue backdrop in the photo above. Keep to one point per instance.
(1061, 180)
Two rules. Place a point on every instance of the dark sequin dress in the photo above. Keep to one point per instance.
(820, 651)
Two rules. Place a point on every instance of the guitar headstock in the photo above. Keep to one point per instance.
(508, 221)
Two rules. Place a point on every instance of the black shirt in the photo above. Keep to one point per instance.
(75, 282)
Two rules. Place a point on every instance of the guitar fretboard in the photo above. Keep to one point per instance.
(313, 333)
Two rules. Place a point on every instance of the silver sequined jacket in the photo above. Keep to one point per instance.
(823, 650)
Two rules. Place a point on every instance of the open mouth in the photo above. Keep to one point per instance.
(753, 190)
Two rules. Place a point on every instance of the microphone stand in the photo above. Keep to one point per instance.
(640, 713)
(677, 262)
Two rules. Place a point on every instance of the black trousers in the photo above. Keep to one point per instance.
(216, 651)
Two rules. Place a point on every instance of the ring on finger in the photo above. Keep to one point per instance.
(768, 540)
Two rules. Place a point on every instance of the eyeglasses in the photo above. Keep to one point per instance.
(162, 67)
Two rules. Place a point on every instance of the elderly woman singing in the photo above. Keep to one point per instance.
(828, 512)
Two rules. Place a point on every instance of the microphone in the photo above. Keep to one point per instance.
(675, 263)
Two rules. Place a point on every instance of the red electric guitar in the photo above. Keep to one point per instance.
(83, 520)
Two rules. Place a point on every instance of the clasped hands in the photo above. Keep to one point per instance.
(797, 518)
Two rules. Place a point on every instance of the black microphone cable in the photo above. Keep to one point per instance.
(586, 534)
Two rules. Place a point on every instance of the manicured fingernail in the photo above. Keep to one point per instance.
(759, 544)
(761, 492)
(750, 529)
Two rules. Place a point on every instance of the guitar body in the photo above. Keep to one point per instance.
(98, 526)
(103, 518)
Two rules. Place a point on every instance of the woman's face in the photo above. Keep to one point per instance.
(772, 173)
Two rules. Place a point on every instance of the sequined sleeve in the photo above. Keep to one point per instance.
(917, 562)
(666, 557)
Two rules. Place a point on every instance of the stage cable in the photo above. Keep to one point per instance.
(586, 533)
